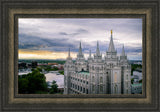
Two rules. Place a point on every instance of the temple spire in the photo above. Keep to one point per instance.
(80, 54)
(69, 53)
(90, 54)
(111, 44)
(80, 45)
(80, 49)
(123, 52)
(97, 50)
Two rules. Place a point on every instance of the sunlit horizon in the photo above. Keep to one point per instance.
(44, 38)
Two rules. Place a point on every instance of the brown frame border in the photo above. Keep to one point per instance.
(79, 13)
(28, 15)
(151, 102)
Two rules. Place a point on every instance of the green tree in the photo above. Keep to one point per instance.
(32, 69)
(48, 68)
(39, 69)
(55, 68)
(54, 87)
(23, 85)
(61, 72)
(134, 67)
(132, 80)
(140, 81)
(32, 83)
(37, 82)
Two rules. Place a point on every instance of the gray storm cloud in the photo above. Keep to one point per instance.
(61, 34)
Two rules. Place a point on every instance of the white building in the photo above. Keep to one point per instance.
(97, 76)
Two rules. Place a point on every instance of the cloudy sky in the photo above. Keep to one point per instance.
(42, 38)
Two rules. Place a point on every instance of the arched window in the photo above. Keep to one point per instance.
(97, 69)
(83, 90)
(93, 79)
(86, 77)
(127, 77)
(93, 88)
(101, 88)
(87, 91)
(127, 84)
(101, 79)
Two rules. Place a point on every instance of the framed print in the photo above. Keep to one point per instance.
(71, 68)
(96, 55)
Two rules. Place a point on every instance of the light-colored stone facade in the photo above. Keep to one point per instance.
(111, 75)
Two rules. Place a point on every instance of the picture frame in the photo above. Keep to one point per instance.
(11, 10)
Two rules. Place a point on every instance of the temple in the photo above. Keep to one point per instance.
(110, 75)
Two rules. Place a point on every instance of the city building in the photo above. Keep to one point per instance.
(110, 75)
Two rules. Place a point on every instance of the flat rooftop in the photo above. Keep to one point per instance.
(84, 72)
(138, 84)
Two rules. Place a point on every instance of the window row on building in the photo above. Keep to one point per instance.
(78, 89)
(79, 80)
(82, 76)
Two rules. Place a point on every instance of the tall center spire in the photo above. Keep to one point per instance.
(111, 44)
(90, 54)
(97, 50)
(123, 52)
(69, 53)
(80, 54)
(80, 49)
